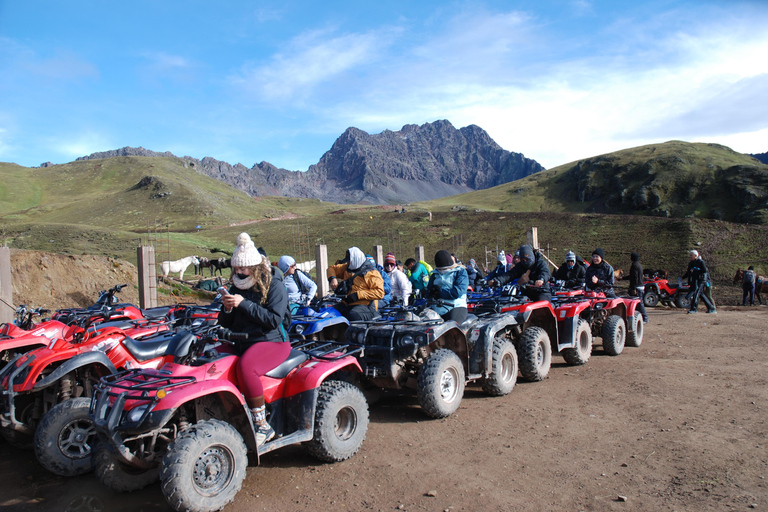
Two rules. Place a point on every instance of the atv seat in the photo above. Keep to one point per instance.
(146, 350)
(468, 322)
(155, 313)
(119, 324)
(295, 358)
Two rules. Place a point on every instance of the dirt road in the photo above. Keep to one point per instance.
(677, 424)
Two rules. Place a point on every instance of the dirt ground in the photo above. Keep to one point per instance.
(676, 424)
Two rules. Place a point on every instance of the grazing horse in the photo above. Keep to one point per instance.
(618, 274)
(178, 266)
(204, 263)
(217, 265)
(761, 284)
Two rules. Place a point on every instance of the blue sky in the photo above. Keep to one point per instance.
(279, 81)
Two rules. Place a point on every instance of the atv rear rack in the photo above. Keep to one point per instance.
(323, 349)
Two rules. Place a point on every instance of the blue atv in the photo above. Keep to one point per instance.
(319, 321)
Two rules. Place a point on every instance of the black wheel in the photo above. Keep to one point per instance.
(440, 385)
(635, 338)
(650, 299)
(65, 437)
(204, 467)
(682, 301)
(614, 335)
(581, 353)
(534, 353)
(341, 421)
(503, 374)
(118, 476)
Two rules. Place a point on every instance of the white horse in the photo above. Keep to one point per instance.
(179, 265)
(306, 266)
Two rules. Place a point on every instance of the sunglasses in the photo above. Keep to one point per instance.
(389, 265)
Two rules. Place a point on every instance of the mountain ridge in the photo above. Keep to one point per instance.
(415, 163)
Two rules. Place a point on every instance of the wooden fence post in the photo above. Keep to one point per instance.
(145, 256)
(6, 286)
(321, 266)
(420, 253)
(378, 254)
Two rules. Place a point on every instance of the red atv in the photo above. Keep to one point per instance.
(580, 318)
(661, 290)
(189, 423)
(46, 391)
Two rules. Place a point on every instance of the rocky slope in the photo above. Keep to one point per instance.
(416, 163)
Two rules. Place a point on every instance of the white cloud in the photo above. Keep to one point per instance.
(310, 60)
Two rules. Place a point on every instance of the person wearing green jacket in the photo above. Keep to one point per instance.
(419, 276)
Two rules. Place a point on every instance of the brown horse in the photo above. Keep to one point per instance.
(761, 284)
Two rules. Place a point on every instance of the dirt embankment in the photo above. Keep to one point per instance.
(56, 281)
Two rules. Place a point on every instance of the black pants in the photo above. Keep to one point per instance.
(359, 312)
(537, 294)
(641, 306)
(696, 291)
(458, 315)
(749, 290)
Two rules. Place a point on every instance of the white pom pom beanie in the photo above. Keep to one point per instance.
(245, 254)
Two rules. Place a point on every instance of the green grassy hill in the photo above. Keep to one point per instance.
(674, 179)
(107, 207)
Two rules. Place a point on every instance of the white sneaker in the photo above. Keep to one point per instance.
(264, 434)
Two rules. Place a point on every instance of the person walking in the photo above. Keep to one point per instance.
(697, 275)
(636, 286)
(748, 285)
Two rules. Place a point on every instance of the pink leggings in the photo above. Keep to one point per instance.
(256, 361)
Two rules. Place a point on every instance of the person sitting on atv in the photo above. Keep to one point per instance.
(538, 273)
(448, 283)
(501, 267)
(599, 276)
(387, 300)
(419, 276)
(401, 286)
(256, 304)
(356, 277)
(475, 274)
(570, 272)
(301, 288)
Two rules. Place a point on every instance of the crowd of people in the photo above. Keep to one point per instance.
(263, 296)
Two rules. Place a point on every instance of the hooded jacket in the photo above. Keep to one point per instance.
(450, 286)
(364, 280)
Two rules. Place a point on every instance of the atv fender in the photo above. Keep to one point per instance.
(94, 358)
(540, 316)
(481, 336)
(314, 373)
(324, 324)
(447, 335)
(567, 322)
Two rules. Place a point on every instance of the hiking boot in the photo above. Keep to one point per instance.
(264, 433)
(692, 311)
(645, 321)
(712, 311)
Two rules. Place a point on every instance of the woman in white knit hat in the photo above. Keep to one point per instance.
(256, 304)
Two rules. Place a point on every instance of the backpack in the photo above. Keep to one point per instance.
(427, 266)
(749, 276)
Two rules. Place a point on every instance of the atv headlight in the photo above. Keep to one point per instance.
(406, 340)
(135, 414)
(300, 328)
(360, 337)
(406, 347)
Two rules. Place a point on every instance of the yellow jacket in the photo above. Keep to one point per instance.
(369, 286)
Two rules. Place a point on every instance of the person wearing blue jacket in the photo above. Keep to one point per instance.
(301, 288)
(448, 283)
(387, 282)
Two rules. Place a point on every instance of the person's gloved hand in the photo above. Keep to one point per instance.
(352, 297)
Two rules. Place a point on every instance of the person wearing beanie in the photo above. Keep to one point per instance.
(501, 267)
(448, 287)
(256, 304)
(472, 269)
(698, 279)
(401, 286)
(537, 268)
(516, 258)
(571, 274)
(599, 276)
(356, 277)
(301, 288)
(636, 283)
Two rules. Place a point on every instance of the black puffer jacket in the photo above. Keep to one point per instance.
(261, 322)
(635, 276)
(539, 271)
(573, 277)
(604, 273)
